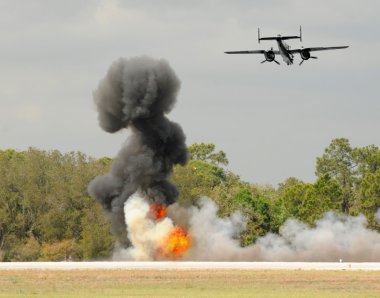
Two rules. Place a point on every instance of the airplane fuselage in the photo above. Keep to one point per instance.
(286, 56)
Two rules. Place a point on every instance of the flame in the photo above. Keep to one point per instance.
(157, 211)
(175, 244)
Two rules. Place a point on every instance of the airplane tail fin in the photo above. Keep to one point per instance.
(258, 35)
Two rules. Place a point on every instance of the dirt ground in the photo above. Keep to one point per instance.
(189, 283)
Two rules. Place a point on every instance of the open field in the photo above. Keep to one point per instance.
(189, 283)
(190, 265)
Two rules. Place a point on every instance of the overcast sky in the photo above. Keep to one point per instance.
(272, 121)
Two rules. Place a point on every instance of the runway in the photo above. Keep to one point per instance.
(187, 265)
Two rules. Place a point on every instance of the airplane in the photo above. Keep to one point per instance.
(284, 50)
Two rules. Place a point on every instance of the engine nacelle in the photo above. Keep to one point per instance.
(269, 55)
(305, 54)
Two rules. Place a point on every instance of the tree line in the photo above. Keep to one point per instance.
(47, 214)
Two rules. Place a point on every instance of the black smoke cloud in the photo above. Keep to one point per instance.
(136, 94)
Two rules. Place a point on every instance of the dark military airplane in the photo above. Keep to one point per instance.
(284, 50)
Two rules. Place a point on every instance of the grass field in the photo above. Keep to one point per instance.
(188, 283)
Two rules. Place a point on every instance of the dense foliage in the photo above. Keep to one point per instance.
(47, 214)
(45, 211)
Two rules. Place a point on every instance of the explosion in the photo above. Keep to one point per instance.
(152, 239)
(157, 211)
(175, 244)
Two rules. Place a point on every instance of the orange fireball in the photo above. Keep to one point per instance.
(175, 244)
(157, 211)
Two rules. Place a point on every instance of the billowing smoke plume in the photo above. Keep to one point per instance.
(137, 93)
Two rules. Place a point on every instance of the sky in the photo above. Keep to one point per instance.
(272, 121)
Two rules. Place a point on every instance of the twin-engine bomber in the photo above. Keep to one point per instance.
(284, 50)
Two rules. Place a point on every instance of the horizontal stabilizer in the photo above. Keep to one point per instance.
(279, 37)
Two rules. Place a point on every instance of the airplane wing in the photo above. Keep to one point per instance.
(246, 52)
(317, 49)
(250, 52)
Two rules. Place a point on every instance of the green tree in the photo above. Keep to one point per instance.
(12, 202)
(260, 206)
(370, 197)
(206, 152)
(65, 250)
(202, 174)
(97, 242)
(256, 210)
(28, 251)
(337, 162)
(43, 198)
(291, 181)
(308, 202)
(367, 159)
(197, 178)
(46, 213)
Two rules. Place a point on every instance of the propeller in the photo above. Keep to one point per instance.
(272, 60)
(310, 57)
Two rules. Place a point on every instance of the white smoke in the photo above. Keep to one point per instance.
(144, 233)
(334, 237)
(214, 238)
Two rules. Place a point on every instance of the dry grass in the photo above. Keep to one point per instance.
(188, 283)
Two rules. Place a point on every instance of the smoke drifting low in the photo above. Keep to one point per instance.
(334, 237)
(137, 93)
